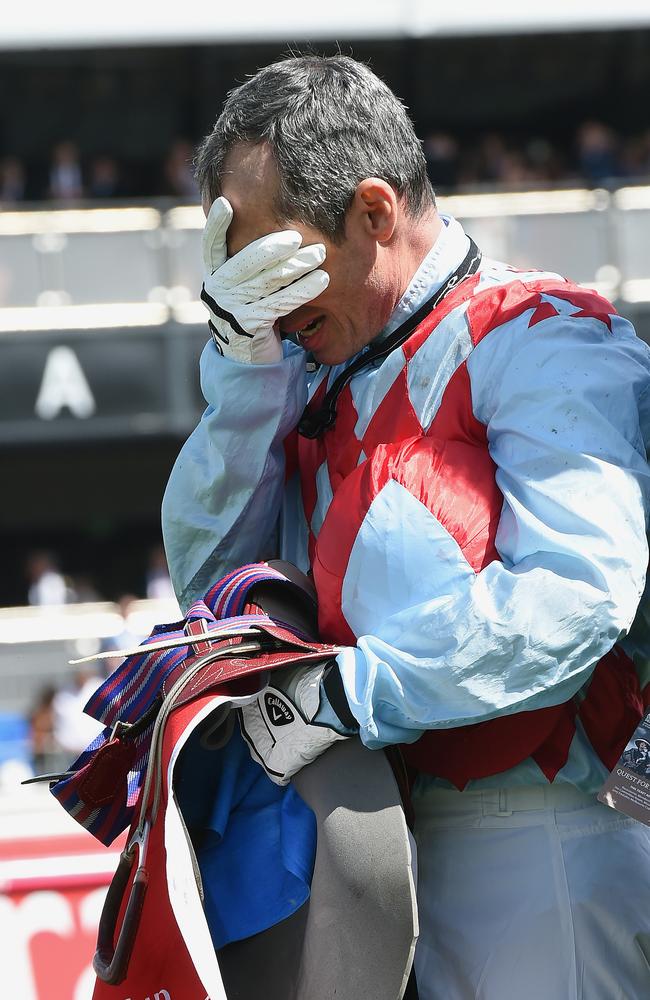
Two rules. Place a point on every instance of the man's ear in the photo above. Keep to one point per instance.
(374, 208)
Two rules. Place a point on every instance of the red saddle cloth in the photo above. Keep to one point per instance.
(172, 956)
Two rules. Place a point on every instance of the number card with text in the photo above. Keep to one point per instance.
(627, 788)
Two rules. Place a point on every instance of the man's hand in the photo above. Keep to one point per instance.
(246, 294)
(278, 726)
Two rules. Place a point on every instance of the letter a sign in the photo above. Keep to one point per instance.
(64, 385)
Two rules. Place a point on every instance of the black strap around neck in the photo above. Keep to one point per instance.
(312, 425)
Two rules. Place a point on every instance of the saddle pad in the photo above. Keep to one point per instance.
(255, 841)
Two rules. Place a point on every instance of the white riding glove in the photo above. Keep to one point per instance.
(246, 294)
(278, 725)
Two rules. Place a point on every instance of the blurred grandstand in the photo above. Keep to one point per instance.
(537, 135)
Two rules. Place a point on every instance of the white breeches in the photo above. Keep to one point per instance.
(536, 893)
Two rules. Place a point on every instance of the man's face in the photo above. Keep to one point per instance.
(362, 291)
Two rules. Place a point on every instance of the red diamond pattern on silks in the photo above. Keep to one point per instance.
(553, 754)
(590, 304)
(545, 310)
(454, 419)
(455, 298)
(395, 419)
(613, 705)
(502, 304)
(610, 711)
(341, 444)
(613, 701)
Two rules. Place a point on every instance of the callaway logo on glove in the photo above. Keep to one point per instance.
(248, 293)
(278, 710)
(279, 725)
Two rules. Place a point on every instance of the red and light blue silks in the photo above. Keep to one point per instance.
(549, 385)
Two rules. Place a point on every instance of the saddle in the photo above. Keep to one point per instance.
(354, 937)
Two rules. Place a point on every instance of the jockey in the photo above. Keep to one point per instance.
(465, 477)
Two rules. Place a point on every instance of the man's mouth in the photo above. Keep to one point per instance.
(302, 328)
(311, 328)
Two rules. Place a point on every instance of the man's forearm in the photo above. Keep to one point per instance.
(224, 493)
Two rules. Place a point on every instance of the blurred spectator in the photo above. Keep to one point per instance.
(492, 153)
(498, 159)
(73, 730)
(597, 152)
(12, 180)
(127, 638)
(158, 585)
(66, 183)
(545, 160)
(45, 752)
(47, 585)
(515, 171)
(104, 178)
(635, 156)
(179, 173)
(441, 153)
(84, 590)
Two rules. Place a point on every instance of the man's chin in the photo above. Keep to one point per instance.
(330, 346)
(329, 353)
(329, 357)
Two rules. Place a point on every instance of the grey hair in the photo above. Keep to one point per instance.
(329, 122)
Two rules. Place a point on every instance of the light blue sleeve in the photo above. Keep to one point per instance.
(223, 497)
(441, 646)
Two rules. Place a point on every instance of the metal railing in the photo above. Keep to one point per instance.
(36, 644)
(140, 265)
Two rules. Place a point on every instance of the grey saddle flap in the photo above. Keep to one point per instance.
(355, 938)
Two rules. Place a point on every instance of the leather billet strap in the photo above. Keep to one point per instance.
(312, 424)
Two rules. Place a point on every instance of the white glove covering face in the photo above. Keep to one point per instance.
(278, 725)
(246, 294)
